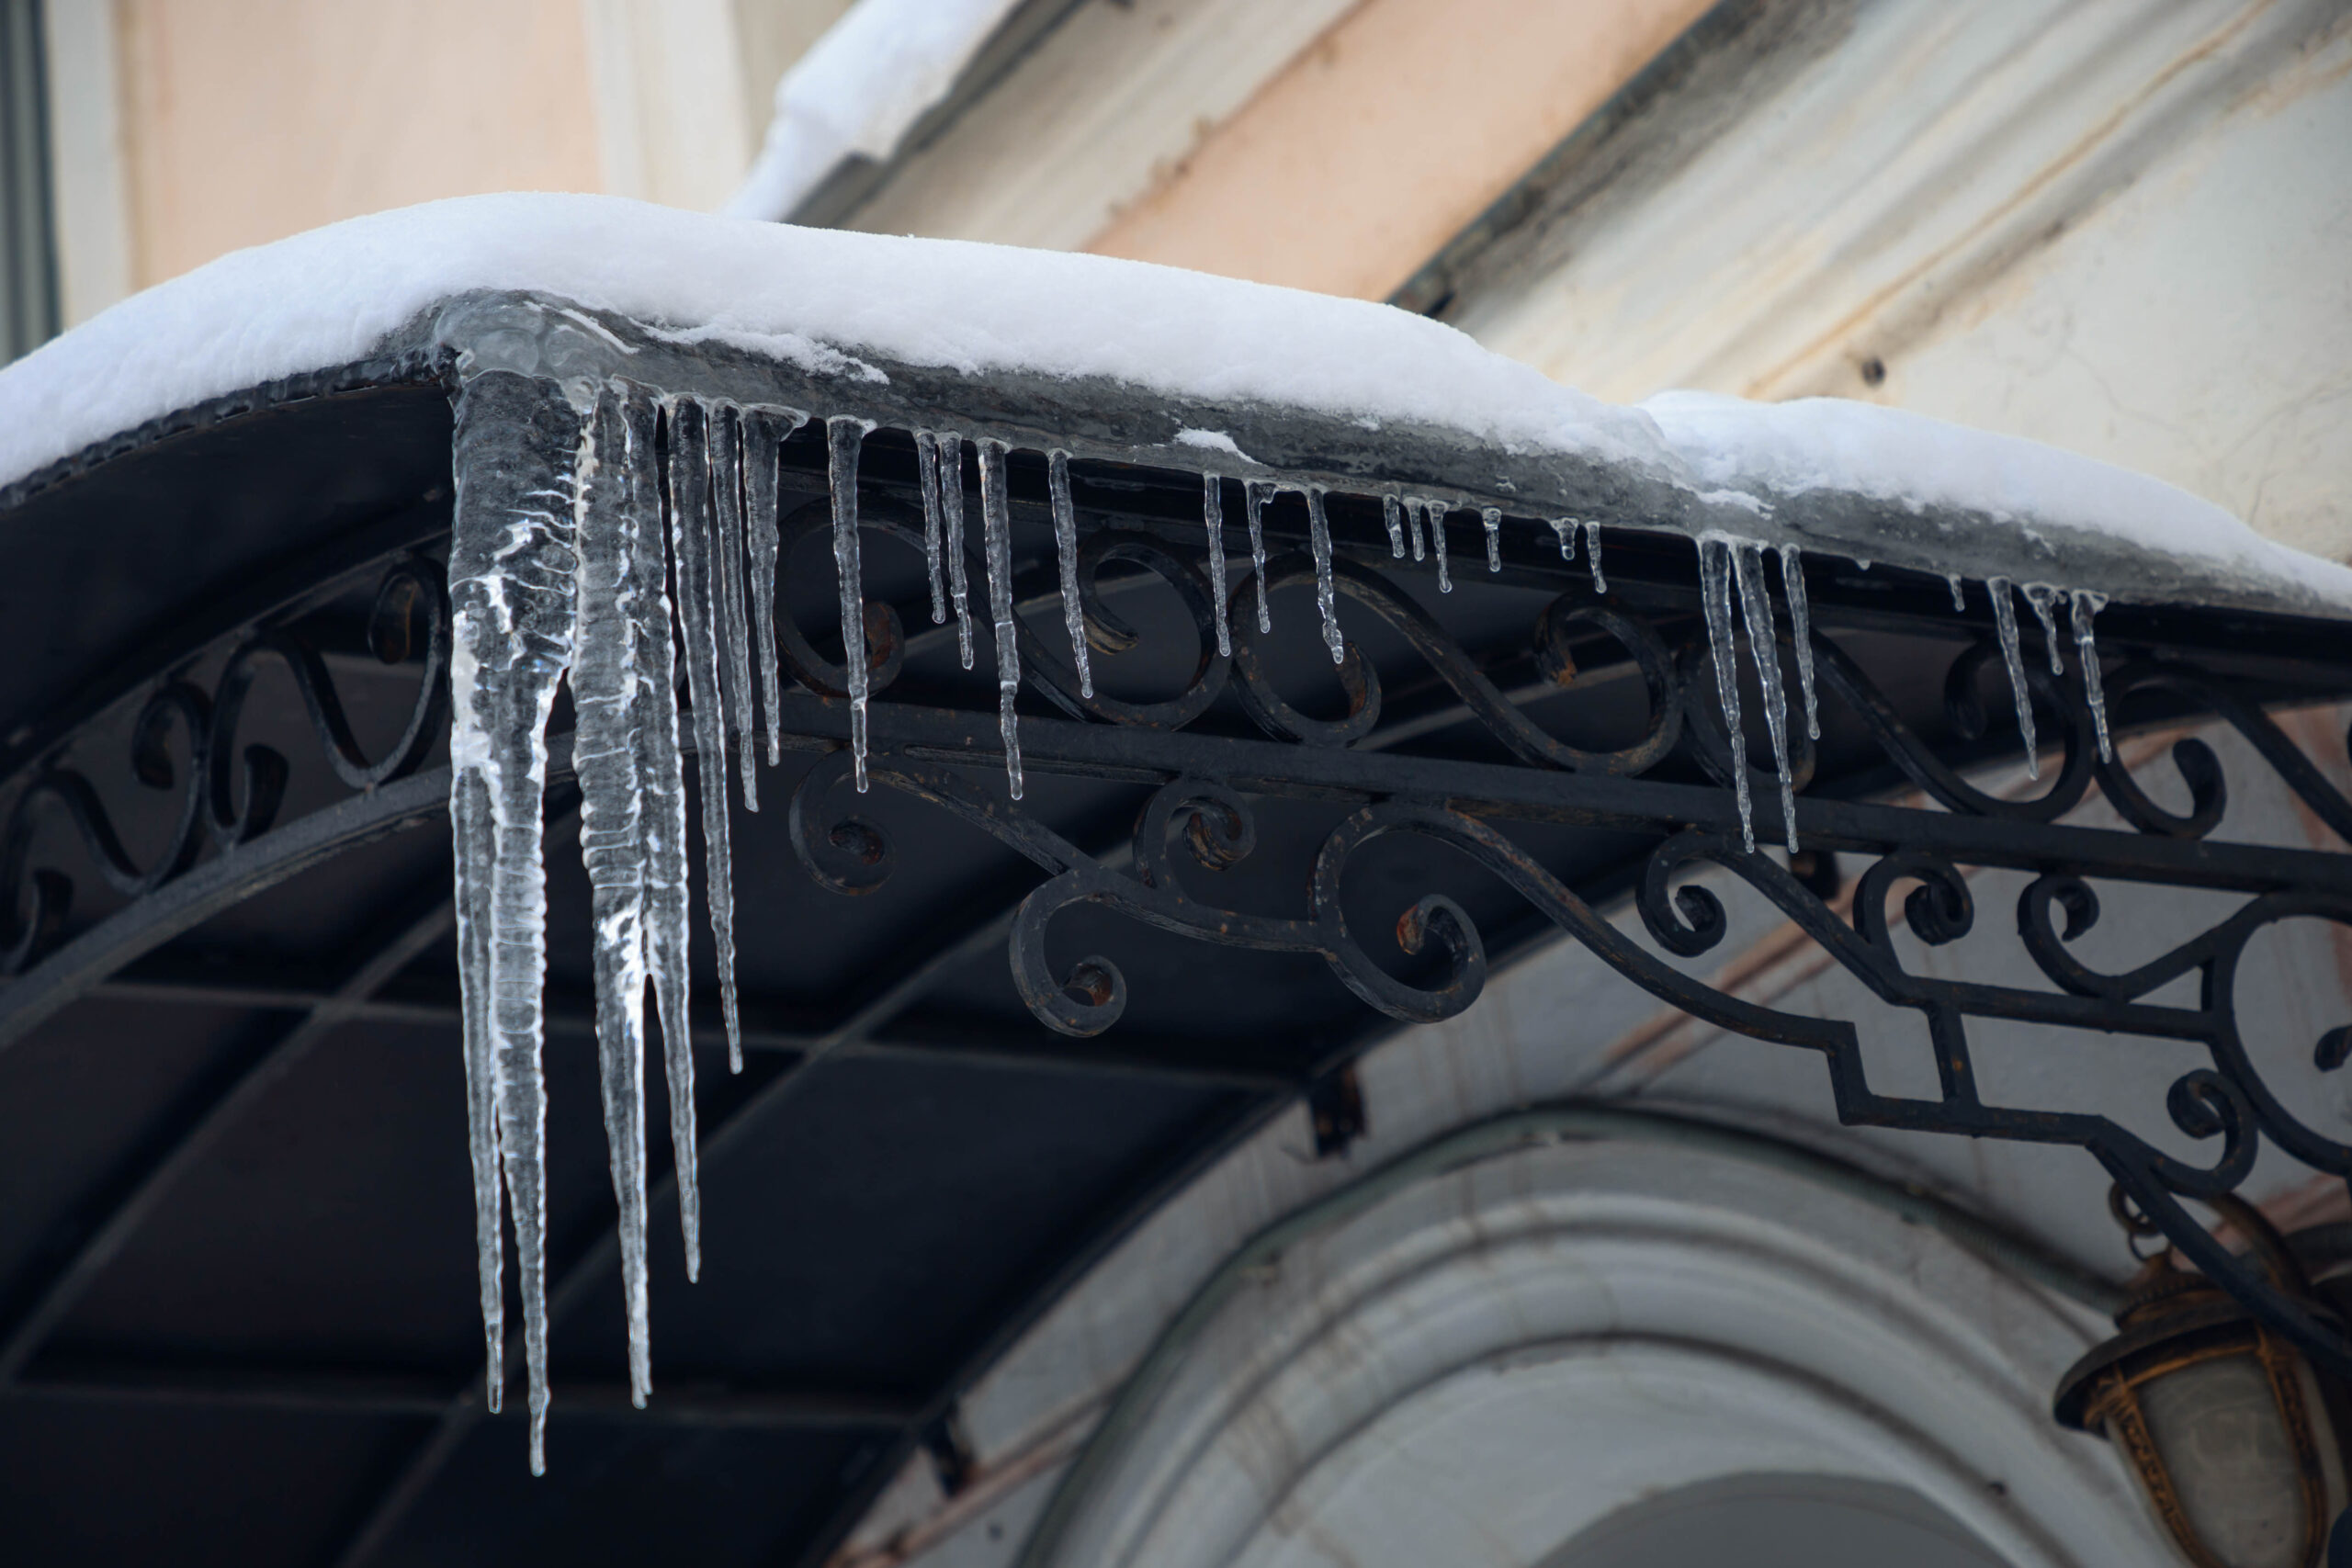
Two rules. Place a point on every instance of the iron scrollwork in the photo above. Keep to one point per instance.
(1201, 815)
(226, 796)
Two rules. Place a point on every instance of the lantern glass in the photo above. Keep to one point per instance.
(2232, 1458)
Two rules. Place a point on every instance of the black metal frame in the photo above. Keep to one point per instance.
(1206, 785)
(233, 837)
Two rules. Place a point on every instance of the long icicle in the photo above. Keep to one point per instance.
(927, 471)
(1415, 512)
(1318, 543)
(1437, 510)
(727, 571)
(1254, 496)
(471, 822)
(1764, 647)
(996, 524)
(1213, 519)
(1066, 553)
(1492, 517)
(1392, 513)
(843, 436)
(951, 514)
(662, 817)
(521, 454)
(2082, 605)
(692, 552)
(1592, 553)
(2005, 623)
(1715, 595)
(608, 707)
(766, 430)
(1801, 633)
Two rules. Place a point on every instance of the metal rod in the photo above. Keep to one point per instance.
(157, 1174)
(678, 1403)
(434, 1004)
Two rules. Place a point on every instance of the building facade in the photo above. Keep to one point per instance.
(2118, 228)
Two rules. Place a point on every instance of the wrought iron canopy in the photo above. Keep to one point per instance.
(227, 1046)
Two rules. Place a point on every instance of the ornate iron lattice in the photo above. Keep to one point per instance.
(1205, 785)
(1199, 818)
(235, 824)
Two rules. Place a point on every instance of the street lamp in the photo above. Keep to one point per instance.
(2232, 1434)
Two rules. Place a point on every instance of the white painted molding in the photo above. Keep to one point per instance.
(672, 124)
(1106, 105)
(86, 168)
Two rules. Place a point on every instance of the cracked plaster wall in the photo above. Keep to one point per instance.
(2119, 228)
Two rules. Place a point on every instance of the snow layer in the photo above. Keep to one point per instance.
(859, 90)
(330, 295)
(1916, 462)
(336, 295)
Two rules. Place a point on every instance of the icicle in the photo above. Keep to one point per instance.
(843, 436)
(951, 510)
(2005, 623)
(1213, 519)
(1319, 540)
(1959, 597)
(2083, 606)
(1715, 593)
(1255, 493)
(1066, 549)
(1800, 632)
(522, 454)
(764, 433)
(927, 467)
(1763, 646)
(995, 525)
(470, 822)
(735, 630)
(1392, 512)
(609, 704)
(661, 769)
(1415, 511)
(1565, 528)
(2044, 599)
(1437, 511)
(1592, 553)
(694, 554)
(1492, 517)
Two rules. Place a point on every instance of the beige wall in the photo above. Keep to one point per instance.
(247, 120)
(1349, 139)
(1389, 135)
(1326, 145)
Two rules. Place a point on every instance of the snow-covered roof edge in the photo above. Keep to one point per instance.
(859, 90)
(1164, 366)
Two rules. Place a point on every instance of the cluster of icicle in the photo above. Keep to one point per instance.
(569, 534)
(1726, 561)
(578, 508)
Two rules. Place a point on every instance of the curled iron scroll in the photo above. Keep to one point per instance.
(1569, 618)
(1045, 664)
(885, 634)
(410, 623)
(1938, 779)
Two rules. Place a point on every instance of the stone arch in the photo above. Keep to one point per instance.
(1488, 1359)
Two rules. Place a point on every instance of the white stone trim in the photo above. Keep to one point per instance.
(88, 177)
(671, 125)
